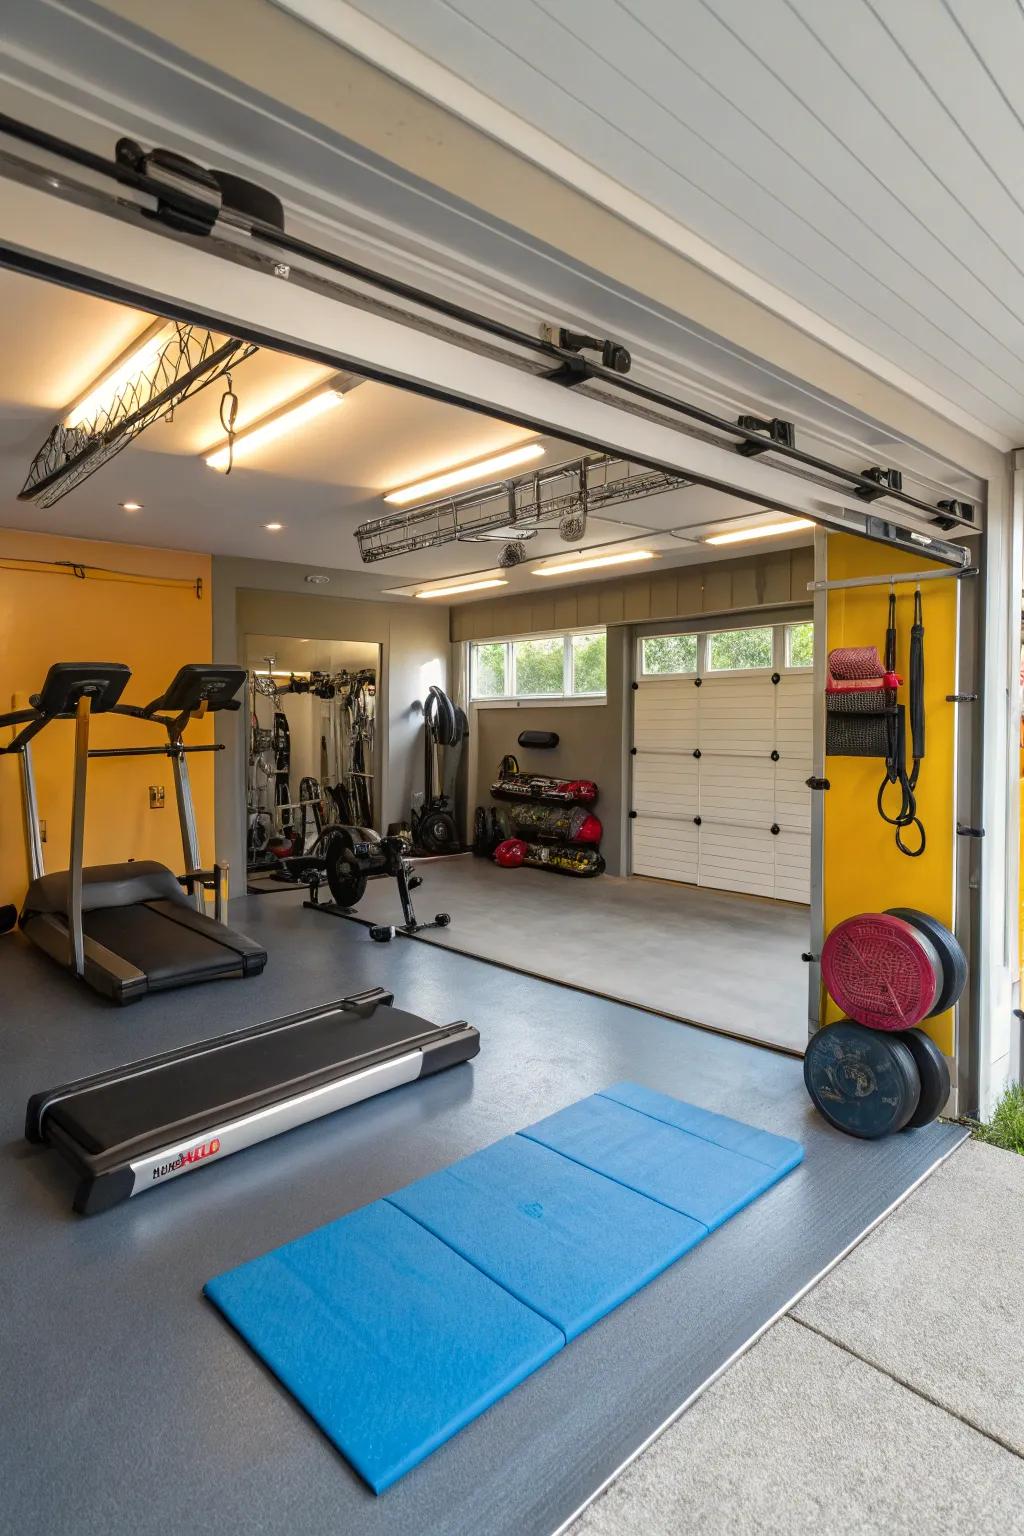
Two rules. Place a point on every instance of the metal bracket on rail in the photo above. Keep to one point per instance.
(778, 434)
(885, 479)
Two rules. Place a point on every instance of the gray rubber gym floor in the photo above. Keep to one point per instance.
(714, 957)
(131, 1407)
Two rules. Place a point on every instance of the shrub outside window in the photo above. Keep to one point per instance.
(572, 665)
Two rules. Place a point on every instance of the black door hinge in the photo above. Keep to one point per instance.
(961, 698)
(817, 783)
(962, 831)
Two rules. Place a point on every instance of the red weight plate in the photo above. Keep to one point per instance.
(881, 971)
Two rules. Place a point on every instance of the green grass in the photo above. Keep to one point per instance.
(1006, 1127)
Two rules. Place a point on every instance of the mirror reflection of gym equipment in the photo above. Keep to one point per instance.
(312, 758)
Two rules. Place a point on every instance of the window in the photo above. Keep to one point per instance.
(490, 670)
(538, 667)
(565, 666)
(739, 650)
(800, 644)
(661, 654)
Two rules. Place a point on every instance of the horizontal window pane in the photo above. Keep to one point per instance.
(800, 644)
(539, 666)
(589, 663)
(668, 653)
(734, 650)
(488, 670)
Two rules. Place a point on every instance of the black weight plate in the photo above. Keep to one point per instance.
(954, 961)
(864, 1081)
(345, 878)
(438, 832)
(934, 1075)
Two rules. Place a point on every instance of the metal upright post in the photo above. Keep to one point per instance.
(33, 838)
(76, 943)
(187, 823)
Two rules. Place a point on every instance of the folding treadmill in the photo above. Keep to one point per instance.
(128, 929)
(141, 1125)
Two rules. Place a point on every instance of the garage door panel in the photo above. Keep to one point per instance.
(737, 790)
(665, 786)
(737, 714)
(792, 797)
(666, 850)
(735, 860)
(665, 716)
(793, 866)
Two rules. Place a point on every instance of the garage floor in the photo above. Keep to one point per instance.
(873, 1406)
(138, 1410)
(712, 957)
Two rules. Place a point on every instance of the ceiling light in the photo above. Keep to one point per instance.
(466, 586)
(317, 579)
(594, 563)
(273, 527)
(760, 531)
(130, 506)
(462, 473)
(289, 419)
(131, 367)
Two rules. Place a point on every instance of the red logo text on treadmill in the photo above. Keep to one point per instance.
(186, 1159)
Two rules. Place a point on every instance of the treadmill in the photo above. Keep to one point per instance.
(133, 928)
(141, 1125)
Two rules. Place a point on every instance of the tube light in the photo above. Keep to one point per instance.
(281, 422)
(466, 586)
(461, 473)
(594, 563)
(109, 385)
(760, 531)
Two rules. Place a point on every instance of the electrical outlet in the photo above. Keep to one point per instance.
(156, 797)
(42, 830)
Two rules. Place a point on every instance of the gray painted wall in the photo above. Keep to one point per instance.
(272, 598)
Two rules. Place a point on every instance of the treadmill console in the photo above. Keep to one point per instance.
(103, 682)
(196, 683)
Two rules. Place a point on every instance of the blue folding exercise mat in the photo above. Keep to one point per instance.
(402, 1322)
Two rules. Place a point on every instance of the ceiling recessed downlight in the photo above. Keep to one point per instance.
(464, 586)
(593, 562)
(462, 474)
(317, 579)
(760, 531)
(288, 419)
(130, 506)
(273, 527)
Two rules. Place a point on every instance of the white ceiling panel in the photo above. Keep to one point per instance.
(865, 156)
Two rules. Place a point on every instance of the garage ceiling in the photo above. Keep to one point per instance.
(319, 482)
(866, 158)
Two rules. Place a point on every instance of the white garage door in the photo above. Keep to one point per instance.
(720, 761)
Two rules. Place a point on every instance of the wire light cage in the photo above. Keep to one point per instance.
(561, 496)
(182, 360)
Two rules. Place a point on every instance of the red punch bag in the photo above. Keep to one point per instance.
(511, 853)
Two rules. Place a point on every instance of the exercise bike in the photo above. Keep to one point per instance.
(348, 858)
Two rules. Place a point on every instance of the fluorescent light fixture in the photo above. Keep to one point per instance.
(594, 563)
(286, 420)
(465, 586)
(128, 370)
(460, 474)
(760, 531)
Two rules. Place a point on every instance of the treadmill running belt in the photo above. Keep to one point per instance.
(388, 1343)
(169, 955)
(232, 1077)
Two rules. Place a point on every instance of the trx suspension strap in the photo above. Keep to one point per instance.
(896, 756)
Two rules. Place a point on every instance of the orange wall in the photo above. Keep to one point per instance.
(864, 871)
(46, 618)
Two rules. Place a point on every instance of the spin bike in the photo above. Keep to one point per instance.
(348, 858)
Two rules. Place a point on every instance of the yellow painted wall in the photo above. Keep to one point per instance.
(864, 870)
(46, 618)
